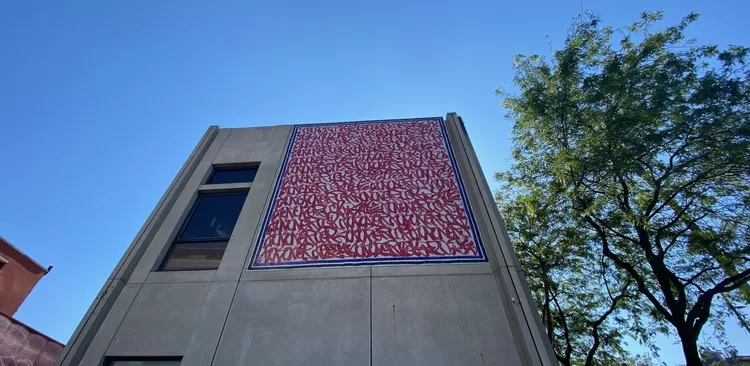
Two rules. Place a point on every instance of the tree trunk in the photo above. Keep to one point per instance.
(690, 348)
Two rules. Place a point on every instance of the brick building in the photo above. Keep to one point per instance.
(18, 276)
(19, 343)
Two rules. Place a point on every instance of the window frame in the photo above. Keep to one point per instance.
(176, 241)
(196, 203)
(204, 190)
(218, 168)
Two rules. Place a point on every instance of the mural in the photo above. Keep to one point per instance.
(380, 192)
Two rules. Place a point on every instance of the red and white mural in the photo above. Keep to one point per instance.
(368, 193)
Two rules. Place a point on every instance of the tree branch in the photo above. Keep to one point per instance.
(700, 273)
(678, 216)
(699, 314)
(566, 331)
(617, 233)
(688, 225)
(681, 189)
(737, 313)
(640, 282)
(625, 202)
(595, 331)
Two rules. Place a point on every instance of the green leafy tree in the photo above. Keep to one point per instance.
(646, 138)
(583, 300)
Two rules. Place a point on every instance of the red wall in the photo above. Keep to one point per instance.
(17, 277)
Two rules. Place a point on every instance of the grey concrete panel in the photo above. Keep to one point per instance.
(431, 269)
(519, 322)
(94, 353)
(299, 322)
(249, 145)
(209, 326)
(306, 273)
(170, 277)
(240, 246)
(161, 321)
(440, 320)
(88, 326)
(159, 245)
(534, 333)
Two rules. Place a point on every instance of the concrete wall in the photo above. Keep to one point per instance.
(438, 314)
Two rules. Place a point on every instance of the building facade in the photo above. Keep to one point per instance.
(18, 276)
(23, 345)
(361, 243)
(19, 343)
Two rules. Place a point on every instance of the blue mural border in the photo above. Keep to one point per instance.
(481, 257)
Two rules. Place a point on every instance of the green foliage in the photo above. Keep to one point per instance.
(583, 300)
(631, 170)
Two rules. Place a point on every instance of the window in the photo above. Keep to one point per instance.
(203, 238)
(201, 242)
(213, 218)
(142, 361)
(232, 175)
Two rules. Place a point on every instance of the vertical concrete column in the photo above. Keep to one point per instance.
(264, 145)
(524, 315)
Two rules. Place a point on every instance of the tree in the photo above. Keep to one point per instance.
(647, 140)
(583, 300)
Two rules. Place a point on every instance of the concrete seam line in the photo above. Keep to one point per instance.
(123, 319)
(370, 316)
(226, 319)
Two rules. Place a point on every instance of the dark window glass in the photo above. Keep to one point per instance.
(229, 175)
(214, 217)
(201, 243)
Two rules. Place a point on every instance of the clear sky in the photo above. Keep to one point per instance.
(101, 102)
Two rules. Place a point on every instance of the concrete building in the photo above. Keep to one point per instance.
(367, 243)
(19, 343)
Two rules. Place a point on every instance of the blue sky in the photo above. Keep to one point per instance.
(101, 102)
